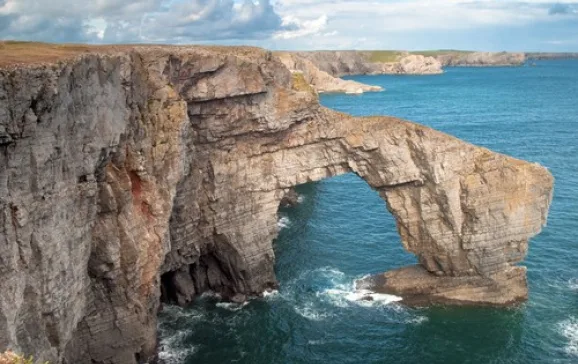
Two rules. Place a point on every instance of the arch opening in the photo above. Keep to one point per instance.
(335, 232)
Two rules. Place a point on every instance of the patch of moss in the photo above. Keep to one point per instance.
(10, 357)
(300, 84)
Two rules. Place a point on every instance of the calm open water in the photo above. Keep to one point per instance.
(342, 231)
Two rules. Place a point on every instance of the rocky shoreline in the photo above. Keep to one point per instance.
(323, 69)
(320, 80)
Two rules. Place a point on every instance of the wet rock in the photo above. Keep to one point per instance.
(239, 298)
(418, 287)
(290, 198)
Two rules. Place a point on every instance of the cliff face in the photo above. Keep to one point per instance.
(549, 56)
(482, 59)
(320, 80)
(341, 63)
(153, 171)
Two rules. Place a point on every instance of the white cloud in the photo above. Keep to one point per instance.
(390, 23)
(300, 28)
(278, 23)
(419, 14)
(137, 21)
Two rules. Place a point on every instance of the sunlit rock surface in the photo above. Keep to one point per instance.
(135, 172)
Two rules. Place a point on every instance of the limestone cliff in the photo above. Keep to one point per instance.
(320, 80)
(129, 173)
(481, 59)
(550, 56)
(341, 63)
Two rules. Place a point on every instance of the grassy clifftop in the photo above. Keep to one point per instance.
(384, 56)
(440, 52)
(388, 56)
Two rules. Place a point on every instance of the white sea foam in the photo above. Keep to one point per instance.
(231, 306)
(335, 276)
(269, 293)
(173, 313)
(172, 348)
(569, 329)
(362, 297)
(283, 222)
(310, 313)
(175, 356)
(300, 199)
(573, 284)
(418, 320)
(316, 342)
(346, 292)
(337, 290)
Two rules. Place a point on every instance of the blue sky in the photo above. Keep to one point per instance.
(492, 25)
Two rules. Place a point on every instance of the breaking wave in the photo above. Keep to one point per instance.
(283, 222)
(173, 347)
(569, 329)
(231, 306)
(335, 289)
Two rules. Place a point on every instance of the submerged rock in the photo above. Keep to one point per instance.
(418, 287)
(239, 298)
(290, 198)
(135, 170)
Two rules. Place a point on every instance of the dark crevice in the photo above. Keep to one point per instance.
(211, 272)
(168, 290)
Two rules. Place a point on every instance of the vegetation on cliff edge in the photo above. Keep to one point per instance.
(9, 357)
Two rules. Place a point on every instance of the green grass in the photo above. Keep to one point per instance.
(384, 56)
(10, 357)
(439, 52)
(394, 56)
(299, 83)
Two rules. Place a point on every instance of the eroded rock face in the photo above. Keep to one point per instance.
(482, 59)
(320, 80)
(340, 63)
(119, 169)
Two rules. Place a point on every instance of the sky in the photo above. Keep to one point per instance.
(488, 25)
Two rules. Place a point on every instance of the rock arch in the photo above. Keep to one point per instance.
(464, 211)
(124, 164)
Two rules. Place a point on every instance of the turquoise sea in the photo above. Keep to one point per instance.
(342, 231)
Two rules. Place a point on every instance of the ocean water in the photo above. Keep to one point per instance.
(342, 231)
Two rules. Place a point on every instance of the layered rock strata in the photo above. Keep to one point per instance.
(132, 174)
(481, 59)
(341, 63)
(550, 56)
(320, 80)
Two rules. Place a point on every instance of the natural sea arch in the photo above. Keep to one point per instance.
(142, 162)
(465, 212)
